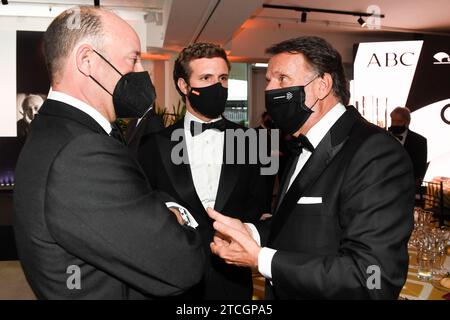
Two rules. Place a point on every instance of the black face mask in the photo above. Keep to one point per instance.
(287, 107)
(133, 94)
(397, 129)
(209, 101)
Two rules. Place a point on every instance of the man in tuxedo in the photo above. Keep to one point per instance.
(345, 208)
(205, 179)
(414, 143)
(87, 223)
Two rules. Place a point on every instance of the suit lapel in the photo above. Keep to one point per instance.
(407, 140)
(132, 130)
(327, 149)
(283, 181)
(315, 165)
(229, 175)
(180, 175)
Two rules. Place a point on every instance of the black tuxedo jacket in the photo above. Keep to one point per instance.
(329, 248)
(149, 124)
(82, 202)
(416, 146)
(241, 195)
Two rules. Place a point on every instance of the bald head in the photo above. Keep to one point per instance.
(89, 24)
(87, 51)
(65, 31)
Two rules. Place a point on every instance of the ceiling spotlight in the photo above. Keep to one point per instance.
(4, 2)
(362, 22)
(303, 17)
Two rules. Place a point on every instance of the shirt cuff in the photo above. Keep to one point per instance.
(265, 262)
(185, 214)
(255, 233)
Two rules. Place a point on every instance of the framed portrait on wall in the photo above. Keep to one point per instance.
(32, 87)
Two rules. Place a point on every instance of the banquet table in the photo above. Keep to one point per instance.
(413, 289)
(418, 289)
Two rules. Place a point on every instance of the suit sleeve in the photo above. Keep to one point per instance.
(101, 209)
(375, 217)
(263, 228)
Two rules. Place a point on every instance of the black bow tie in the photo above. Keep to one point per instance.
(296, 145)
(116, 133)
(197, 127)
(400, 138)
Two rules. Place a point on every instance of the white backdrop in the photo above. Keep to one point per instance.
(8, 115)
(387, 79)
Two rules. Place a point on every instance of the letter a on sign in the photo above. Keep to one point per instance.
(374, 60)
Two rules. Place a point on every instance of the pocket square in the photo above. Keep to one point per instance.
(309, 200)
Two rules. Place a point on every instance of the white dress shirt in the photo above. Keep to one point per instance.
(314, 135)
(106, 125)
(402, 136)
(205, 153)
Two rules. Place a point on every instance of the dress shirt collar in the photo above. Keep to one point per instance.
(190, 117)
(320, 129)
(403, 135)
(80, 105)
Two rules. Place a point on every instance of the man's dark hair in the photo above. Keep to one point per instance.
(193, 52)
(66, 30)
(322, 57)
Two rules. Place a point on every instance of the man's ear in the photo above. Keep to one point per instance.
(183, 86)
(325, 85)
(82, 57)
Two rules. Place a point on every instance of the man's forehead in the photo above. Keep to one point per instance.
(397, 116)
(135, 43)
(134, 52)
(120, 34)
(285, 59)
(123, 46)
(283, 69)
(208, 65)
(287, 62)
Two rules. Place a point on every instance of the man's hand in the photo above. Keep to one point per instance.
(265, 216)
(233, 241)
